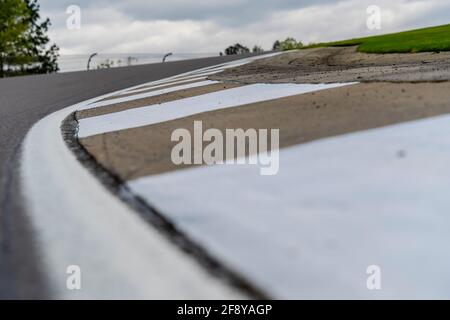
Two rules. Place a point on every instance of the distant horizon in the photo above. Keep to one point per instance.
(138, 53)
(78, 62)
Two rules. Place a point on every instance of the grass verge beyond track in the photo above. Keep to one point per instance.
(432, 39)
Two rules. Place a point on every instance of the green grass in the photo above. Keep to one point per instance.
(421, 40)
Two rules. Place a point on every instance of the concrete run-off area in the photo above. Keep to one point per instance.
(342, 64)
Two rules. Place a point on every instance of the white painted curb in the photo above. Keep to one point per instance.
(76, 221)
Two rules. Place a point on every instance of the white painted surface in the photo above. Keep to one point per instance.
(147, 94)
(148, 115)
(337, 206)
(199, 74)
(205, 71)
(163, 85)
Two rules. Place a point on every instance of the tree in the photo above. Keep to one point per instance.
(257, 48)
(236, 49)
(110, 63)
(287, 44)
(24, 44)
(276, 45)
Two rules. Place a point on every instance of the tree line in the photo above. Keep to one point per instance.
(279, 45)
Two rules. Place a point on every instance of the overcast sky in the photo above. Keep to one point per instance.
(208, 26)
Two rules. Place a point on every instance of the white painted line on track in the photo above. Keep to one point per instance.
(147, 94)
(182, 76)
(163, 85)
(337, 206)
(229, 98)
(215, 69)
(202, 73)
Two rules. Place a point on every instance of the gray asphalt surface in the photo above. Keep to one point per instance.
(24, 101)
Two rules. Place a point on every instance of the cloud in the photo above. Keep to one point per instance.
(183, 26)
(227, 12)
